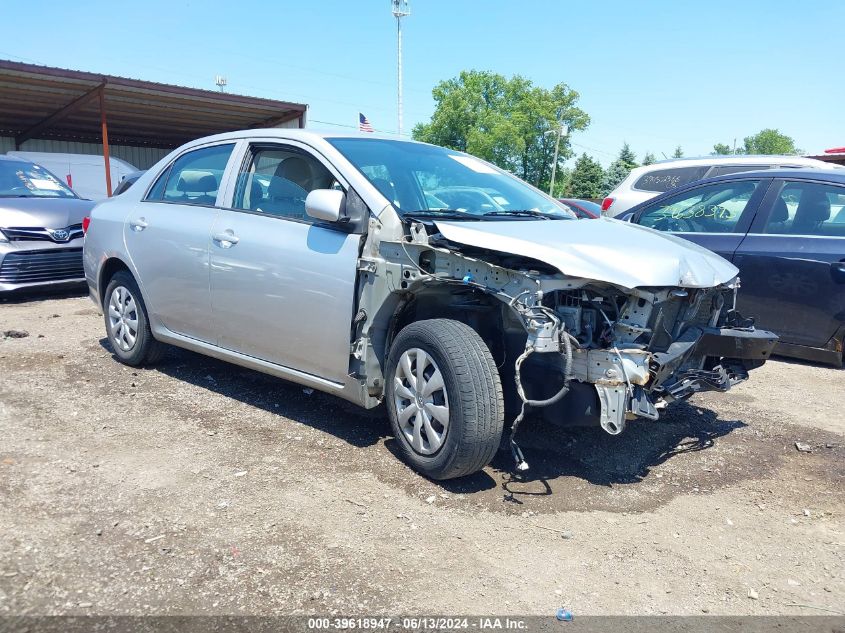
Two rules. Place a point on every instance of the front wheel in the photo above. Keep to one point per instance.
(444, 398)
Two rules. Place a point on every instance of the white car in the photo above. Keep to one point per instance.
(648, 181)
(84, 173)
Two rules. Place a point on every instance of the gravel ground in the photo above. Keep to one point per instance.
(200, 487)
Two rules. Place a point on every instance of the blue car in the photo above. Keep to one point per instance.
(785, 231)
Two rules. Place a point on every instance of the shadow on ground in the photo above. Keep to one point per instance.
(554, 453)
(43, 294)
(321, 411)
(607, 460)
(590, 454)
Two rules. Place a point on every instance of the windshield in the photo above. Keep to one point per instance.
(424, 180)
(19, 179)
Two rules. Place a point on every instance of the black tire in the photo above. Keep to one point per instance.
(473, 390)
(144, 350)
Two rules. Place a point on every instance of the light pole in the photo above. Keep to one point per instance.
(561, 131)
(400, 9)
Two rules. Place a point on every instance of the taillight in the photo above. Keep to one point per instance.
(605, 204)
(86, 222)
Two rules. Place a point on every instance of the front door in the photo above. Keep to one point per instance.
(167, 236)
(282, 283)
(792, 263)
(715, 216)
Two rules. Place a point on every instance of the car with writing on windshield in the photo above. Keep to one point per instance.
(785, 232)
(648, 181)
(388, 271)
(40, 229)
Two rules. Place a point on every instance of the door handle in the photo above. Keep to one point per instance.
(138, 225)
(226, 239)
(837, 271)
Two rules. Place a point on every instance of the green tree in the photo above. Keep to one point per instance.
(510, 122)
(619, 169)
(649, 159)
(720, 149)
(770, 141)
(679, 153)
(563, 178)
(587, 179)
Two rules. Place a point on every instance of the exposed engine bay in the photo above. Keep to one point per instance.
(582, 349)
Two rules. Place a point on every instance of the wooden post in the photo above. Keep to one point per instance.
(105, 133)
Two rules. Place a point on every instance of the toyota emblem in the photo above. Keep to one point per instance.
(60, 235)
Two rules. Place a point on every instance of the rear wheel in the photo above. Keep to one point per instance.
(127, 324)
(444, 398)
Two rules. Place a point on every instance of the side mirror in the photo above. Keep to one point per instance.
(626, 217)
(325, 204)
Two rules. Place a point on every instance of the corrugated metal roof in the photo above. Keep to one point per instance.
(55, 103)
(831, 157)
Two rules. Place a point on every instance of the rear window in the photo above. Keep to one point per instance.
(662, 180)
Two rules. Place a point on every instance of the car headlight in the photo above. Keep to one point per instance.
(3, 237)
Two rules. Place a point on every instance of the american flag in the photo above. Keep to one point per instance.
(364, 124)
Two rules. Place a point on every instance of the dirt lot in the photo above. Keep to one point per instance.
(199, 487)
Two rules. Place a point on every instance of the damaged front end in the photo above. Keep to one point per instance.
(644, 348)
(580, 349)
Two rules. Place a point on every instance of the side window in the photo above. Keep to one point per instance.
(194, 177)
(662, 180)
(156, 192)
(806, 208)
(734, 169)
(709, 209)
(277, 180)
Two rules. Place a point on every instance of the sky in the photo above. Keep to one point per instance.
(655, 74)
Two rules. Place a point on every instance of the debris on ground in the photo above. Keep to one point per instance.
(15, 334)
(804, 448)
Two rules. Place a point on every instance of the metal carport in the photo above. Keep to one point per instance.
(59, 105)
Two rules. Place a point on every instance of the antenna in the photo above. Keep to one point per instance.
(220, 81)
(400, 9)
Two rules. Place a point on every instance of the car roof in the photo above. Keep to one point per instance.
(15, 159)
(297, 134)
(736, 159)
(809, 173)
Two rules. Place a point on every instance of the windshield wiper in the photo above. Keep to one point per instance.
(520, 212)
(450, 214)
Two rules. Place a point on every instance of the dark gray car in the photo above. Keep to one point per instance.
(40, 228)
(785, 231)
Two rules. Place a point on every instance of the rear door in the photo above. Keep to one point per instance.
(715, 215)
(168, 234)
(792, 263)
